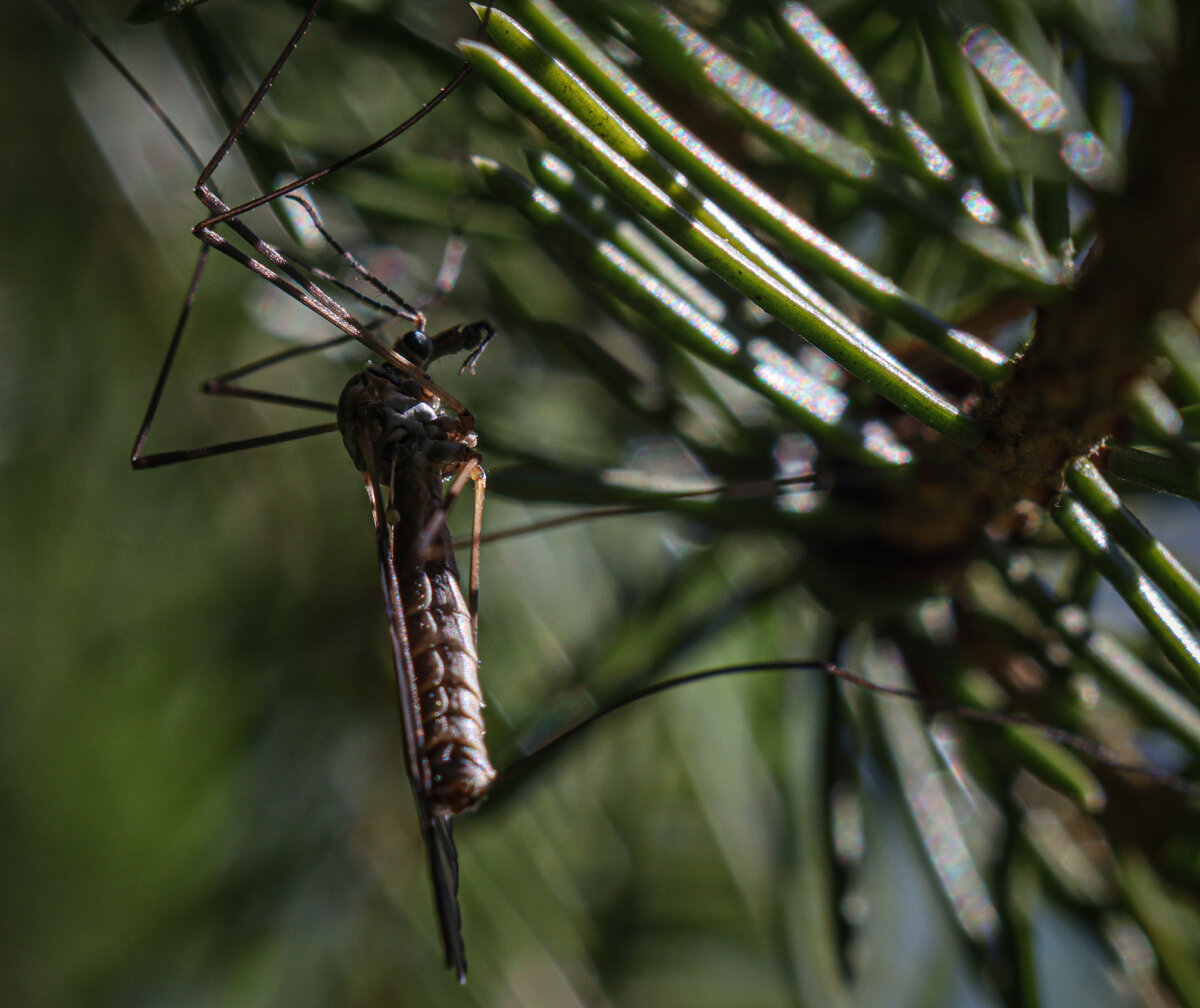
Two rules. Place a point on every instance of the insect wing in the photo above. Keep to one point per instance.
(435, 829)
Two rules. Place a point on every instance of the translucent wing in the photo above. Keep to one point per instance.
(435, 829)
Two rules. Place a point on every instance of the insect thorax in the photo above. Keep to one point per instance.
(390, 423)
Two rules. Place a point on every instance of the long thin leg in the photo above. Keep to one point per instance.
(415, 314)
(449, 270)
(277, 358)
(472, 469)
(476, 538)
(138, 459)
(302, 289)
(221, 384)
(229, 213)
(305, 291)
(315, 299)
(1087, 747)
(247, 114)
(447, 276)
(388, 309)
(69, 14)
(207, 194)
(225, 390)
(191, 454)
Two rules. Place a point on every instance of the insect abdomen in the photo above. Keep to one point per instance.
(446, 664)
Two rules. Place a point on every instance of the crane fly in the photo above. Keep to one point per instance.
(405, 447)
(408, 437)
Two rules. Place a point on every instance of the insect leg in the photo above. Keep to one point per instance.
(272, 262)
(474, 336)
(139, 460)
(404, 308)
(472, 470)
(228, 213)
(202, 190)
(222, 384)
(315, 299)
(480, 484)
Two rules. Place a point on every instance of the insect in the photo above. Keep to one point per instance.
(405, 448)
(406, 445)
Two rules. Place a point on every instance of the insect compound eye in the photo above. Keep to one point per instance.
(415, 345)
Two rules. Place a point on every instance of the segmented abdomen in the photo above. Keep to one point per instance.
(441, 639)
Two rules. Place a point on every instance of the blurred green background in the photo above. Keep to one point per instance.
(203, 796)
